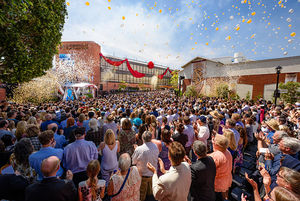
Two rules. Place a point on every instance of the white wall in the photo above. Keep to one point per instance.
(242, 90)
(269, 91)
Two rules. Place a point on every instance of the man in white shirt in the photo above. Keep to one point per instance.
(169, 117)
(175, 184)
(161, 115)
(147, 152)
(202, 131)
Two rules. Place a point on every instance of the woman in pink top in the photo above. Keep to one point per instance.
(223, 161)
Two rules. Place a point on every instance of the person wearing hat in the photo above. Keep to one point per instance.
(111, 125)
(202, 131)
(273, 126)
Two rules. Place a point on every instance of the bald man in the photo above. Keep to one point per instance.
(51, 188)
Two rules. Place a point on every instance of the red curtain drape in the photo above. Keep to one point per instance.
(162, 75)
(133, 72)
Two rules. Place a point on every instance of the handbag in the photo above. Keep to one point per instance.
(122, 185)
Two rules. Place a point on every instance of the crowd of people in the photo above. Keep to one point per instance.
(150, 146)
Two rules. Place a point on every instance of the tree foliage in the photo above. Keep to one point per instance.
(174, 79)
(293, 93)
(123, 85)
(191, 91)
(30, 32)
(223, 90)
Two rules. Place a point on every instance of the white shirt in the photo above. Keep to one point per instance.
(174, 185)
(193, 118)
(189, 131)
(147, 152)
(170, 119)
(203, 133)
(159, 119)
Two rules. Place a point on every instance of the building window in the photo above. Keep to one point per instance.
(290, 77)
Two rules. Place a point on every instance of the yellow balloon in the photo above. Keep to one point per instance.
(293, 34)
(109, 7)
(160, 10)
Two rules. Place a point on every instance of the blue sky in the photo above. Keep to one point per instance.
(172, 32)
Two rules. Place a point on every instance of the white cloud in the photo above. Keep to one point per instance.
(150, 36)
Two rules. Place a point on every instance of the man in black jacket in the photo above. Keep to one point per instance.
(203, 175)
(51, 188)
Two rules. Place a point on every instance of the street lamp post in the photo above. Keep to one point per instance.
(276, 93)
(180, 78)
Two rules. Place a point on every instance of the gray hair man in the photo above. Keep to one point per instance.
(147, 152)
(203, 174)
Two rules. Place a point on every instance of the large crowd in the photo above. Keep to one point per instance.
(150, 146)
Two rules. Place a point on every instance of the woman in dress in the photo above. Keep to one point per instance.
(127, 138)
(93, 188)
(19, 159)
(131, 189)
(223, 161)
(109, 148)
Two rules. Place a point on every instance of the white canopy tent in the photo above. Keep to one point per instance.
(80, 89)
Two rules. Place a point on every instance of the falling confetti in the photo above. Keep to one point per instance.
(249, 21)
(243, 20)
(237, 27)
(253, 35)
(291, 11)
(290, 41)
(290, 25)
(123, 18)
(231, 17)
(288, 19)
(228, 38)
(253, 13)
(87, 3)
(293, 34)
(206, 43)
(109, 7)
(217, 28)
(108, 0)
(68, 3)
(160, 11)
(285, 53)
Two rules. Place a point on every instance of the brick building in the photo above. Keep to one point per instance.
(256, 77)
(87, 53)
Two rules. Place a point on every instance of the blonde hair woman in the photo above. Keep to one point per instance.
(21, 130)
(32, 120)
(109, 148)
(232, 145)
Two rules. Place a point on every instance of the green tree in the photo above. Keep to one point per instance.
(123, 85)
(30, 32)
(223, 90)
(293, 93)
(191, 91)
(248, 96)
(174, 79)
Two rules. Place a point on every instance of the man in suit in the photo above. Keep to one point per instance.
(51, 188)
(203, 175)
